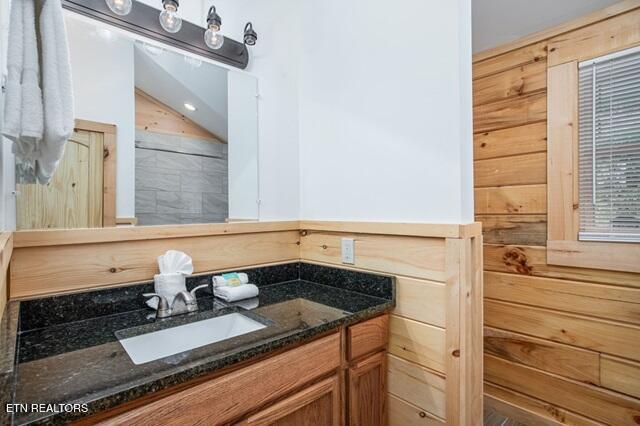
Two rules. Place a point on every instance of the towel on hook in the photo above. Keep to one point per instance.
(39, 114)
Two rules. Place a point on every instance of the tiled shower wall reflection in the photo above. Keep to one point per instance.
(180, 180)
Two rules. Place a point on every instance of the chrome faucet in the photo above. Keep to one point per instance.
(189, 303)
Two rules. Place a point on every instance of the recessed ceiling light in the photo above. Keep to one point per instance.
(189, 107)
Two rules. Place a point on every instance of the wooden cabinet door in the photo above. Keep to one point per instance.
(317, 405)
(367, 381)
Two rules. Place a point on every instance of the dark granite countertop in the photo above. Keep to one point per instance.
(64, 350)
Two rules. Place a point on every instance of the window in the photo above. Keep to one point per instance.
(609, 148)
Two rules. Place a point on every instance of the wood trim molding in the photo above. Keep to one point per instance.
(109, 132)
(563, 208)
(42, 238)
(432, 230)
(583, 21)
(130, 221)
(600, 255)
(562, 144)
(6, 250)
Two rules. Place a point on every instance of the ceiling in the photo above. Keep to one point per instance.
(496, 22)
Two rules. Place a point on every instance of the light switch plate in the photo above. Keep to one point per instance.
(348, 251)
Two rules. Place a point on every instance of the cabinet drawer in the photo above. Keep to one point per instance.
(368, 336)
(228, 397)
(317, 405)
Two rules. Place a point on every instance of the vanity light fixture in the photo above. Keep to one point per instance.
(212, 36)
(169, 18)
(250, 36)
(190, 107)
(120, 7)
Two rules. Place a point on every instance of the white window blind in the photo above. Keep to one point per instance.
(609, 147)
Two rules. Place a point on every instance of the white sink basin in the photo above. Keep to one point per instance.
(171, 341)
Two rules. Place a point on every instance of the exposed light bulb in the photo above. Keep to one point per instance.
(213, 38)
(169, 18)
(189, 107)
(119, 7)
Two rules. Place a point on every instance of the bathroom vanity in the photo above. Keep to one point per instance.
(316, 357)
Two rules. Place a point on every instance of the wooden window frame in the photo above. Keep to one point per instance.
(563, 208)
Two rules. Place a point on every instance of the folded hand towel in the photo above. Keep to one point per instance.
(219, 280)
(167, 285)
(233, 294)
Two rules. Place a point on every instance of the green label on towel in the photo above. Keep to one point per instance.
(232, 279)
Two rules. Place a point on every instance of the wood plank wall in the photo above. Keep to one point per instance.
(434, 361)
(562, 345)
(6, 250)
(435, 349)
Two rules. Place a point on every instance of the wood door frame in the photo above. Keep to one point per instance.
(109, 167)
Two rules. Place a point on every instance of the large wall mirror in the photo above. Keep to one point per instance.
(162, 137)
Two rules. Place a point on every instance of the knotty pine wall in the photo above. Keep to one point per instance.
(562, 345)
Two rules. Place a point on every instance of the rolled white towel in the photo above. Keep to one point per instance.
(248, 304)
(167, 285)
(233, 294)
(219, 280)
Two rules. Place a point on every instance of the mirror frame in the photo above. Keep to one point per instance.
(143, 20)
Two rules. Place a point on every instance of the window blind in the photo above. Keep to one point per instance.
(609, 147)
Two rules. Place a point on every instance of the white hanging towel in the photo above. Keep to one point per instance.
(57, 89)
(39, 114)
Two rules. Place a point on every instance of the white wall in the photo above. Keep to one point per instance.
(103, 85)
(243, 147)
(385, 111)
(274, 61)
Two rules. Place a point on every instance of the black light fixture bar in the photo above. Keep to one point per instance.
(143, 20)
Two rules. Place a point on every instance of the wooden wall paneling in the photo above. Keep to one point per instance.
(417, 385)
(525, 169)
(533, 53)
(409, 256)
(564, 360)
(562, 201)
(531, 260)
(543, 36)
(525, 199)
(531, 411)
(464, 345)
(621, 375)
(154, 116)
(411, 295)
(418, 342)
(514, 229)
(596, 300)
(6, 250)
(596, 403)
(510, 113)
(54, 269)
(526, 139)
(403, 413)
(590, 333)
(595, 40)
(517, 81)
